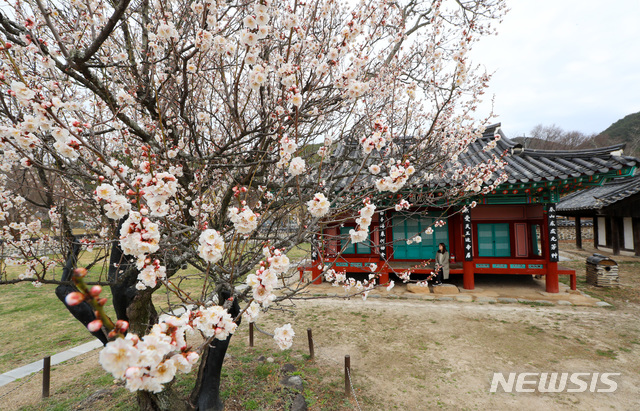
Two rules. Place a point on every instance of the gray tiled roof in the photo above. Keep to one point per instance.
(523, 165)
(599, 197)
(531, 165)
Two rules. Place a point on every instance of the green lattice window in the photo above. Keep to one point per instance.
(494, 240)
(358, 248)
(408, 227)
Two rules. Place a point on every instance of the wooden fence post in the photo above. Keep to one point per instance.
(347, 376)
(311, 351)
(46, 377)
(250, 334)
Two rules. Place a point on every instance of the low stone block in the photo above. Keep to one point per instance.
(603, 304)
(489, 300)
(507, 300)
(544, 302)
(445, 298)
(564, 302)
(446, 289)
(299, 403)
(464, 298)
(294, 381)
(416, 289)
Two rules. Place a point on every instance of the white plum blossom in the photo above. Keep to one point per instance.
(296, 99)
(368, 210)
(211, 247)
(364, 221)
(288, 146)
(150, 274)
(359, 235)
(215, 321)
(284, 336)
(167, 31)
(139, 235)
(118, 355)
(105, 192)
(244, 220)
(252, 312)
(117, 207)
(158, 189)
(297, 166)
(23, 93)
(67, 148)
(318, 206)
(278, 262)
(149, 362)
(402, 205)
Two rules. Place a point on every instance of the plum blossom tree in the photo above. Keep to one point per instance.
(189, 133)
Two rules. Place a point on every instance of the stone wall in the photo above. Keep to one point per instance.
(569, 233)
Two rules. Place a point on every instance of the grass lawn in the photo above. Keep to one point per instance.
(249, 382)
(35, 324)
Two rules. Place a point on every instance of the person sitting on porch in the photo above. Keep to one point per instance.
(442, 264)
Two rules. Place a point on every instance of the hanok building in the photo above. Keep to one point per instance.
(512, 230)
(615, 210)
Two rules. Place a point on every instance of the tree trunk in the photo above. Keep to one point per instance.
(141, 313)
(206, 394)
(167, 400)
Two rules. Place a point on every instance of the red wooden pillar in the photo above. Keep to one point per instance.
(468, 281)
(383, 268)
(552, 282)
(316, 273)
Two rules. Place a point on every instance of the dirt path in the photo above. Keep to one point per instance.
(421, 355)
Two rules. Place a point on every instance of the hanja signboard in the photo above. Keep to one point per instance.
(555, 382)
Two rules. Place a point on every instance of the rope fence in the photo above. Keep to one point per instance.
(46, 373)
(46, 370)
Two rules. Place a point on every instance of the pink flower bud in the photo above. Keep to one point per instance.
(80, 272)
(192, 357)
(94, 325)
(133, 372)
(102, 301)
(122, 325)
(74, 298)
(95, 290)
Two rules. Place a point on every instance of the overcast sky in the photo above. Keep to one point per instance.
(573, 63)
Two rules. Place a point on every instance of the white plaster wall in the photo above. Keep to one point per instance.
(602, 231)
(628, 233)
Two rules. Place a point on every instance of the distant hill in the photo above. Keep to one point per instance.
(626, 130)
